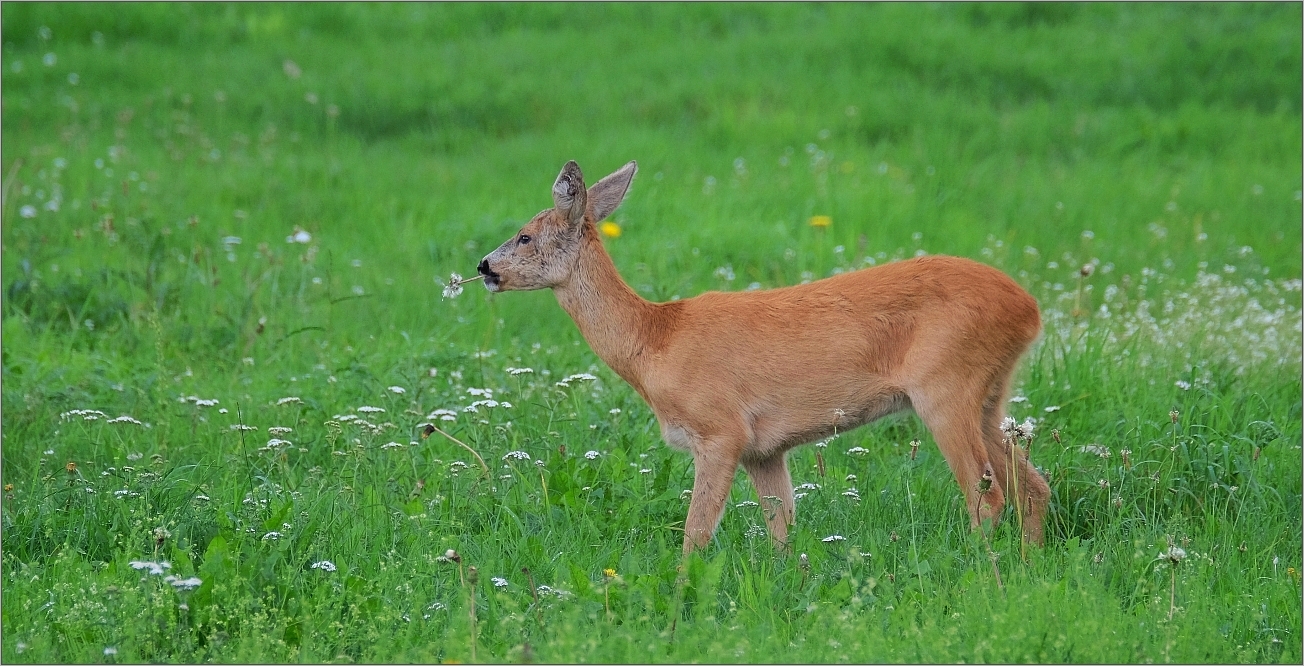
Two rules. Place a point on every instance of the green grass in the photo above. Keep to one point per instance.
(1161, 143)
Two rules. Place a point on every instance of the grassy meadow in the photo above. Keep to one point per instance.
(226, 229)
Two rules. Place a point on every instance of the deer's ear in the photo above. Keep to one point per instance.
(607, 193)
(568, 193)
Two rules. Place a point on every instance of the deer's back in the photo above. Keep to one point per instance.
(851, 339)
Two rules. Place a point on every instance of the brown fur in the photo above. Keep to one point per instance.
(742, 377)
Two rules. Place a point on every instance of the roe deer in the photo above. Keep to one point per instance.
(742, 377)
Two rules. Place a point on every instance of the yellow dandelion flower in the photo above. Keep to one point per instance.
(610, 229)
(820, 221)
(609, 573)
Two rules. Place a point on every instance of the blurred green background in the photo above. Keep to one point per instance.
(417, 137)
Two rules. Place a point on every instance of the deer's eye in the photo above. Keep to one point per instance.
(523, 240)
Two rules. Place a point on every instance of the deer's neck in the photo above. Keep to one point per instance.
(611, 317)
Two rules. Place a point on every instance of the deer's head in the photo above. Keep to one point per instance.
(544, 252)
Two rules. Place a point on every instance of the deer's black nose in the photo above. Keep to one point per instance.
(483, 268)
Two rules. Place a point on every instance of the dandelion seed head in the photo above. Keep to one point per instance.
(1174, 555)
(1027, 429)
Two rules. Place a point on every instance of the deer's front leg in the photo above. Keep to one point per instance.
(774, 487)
(714, 465)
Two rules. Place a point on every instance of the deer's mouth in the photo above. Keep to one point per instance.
(491, 279)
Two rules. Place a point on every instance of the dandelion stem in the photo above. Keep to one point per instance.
(9, 179)
(991, 554)
(463, 445)
(681, 579)
(474, 577)
(1013, 475)
(1172, 592)
(534, 592)
(914, 538)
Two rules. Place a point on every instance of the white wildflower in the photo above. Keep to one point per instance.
(279, 430)
(591, 455)
(367, 409)
(1052, 408)
(271, 536)
(154, 568)
(834, 537)
(1095, 449)
(324, 565)
(519, 371)
(124, 419)
(745, 504)
(499, 582)
(184, 584)
(857, 451)
(399, 390)
(516, 455)
(1185, 386)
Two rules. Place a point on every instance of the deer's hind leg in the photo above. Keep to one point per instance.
(1014, 472)
(955, 419)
